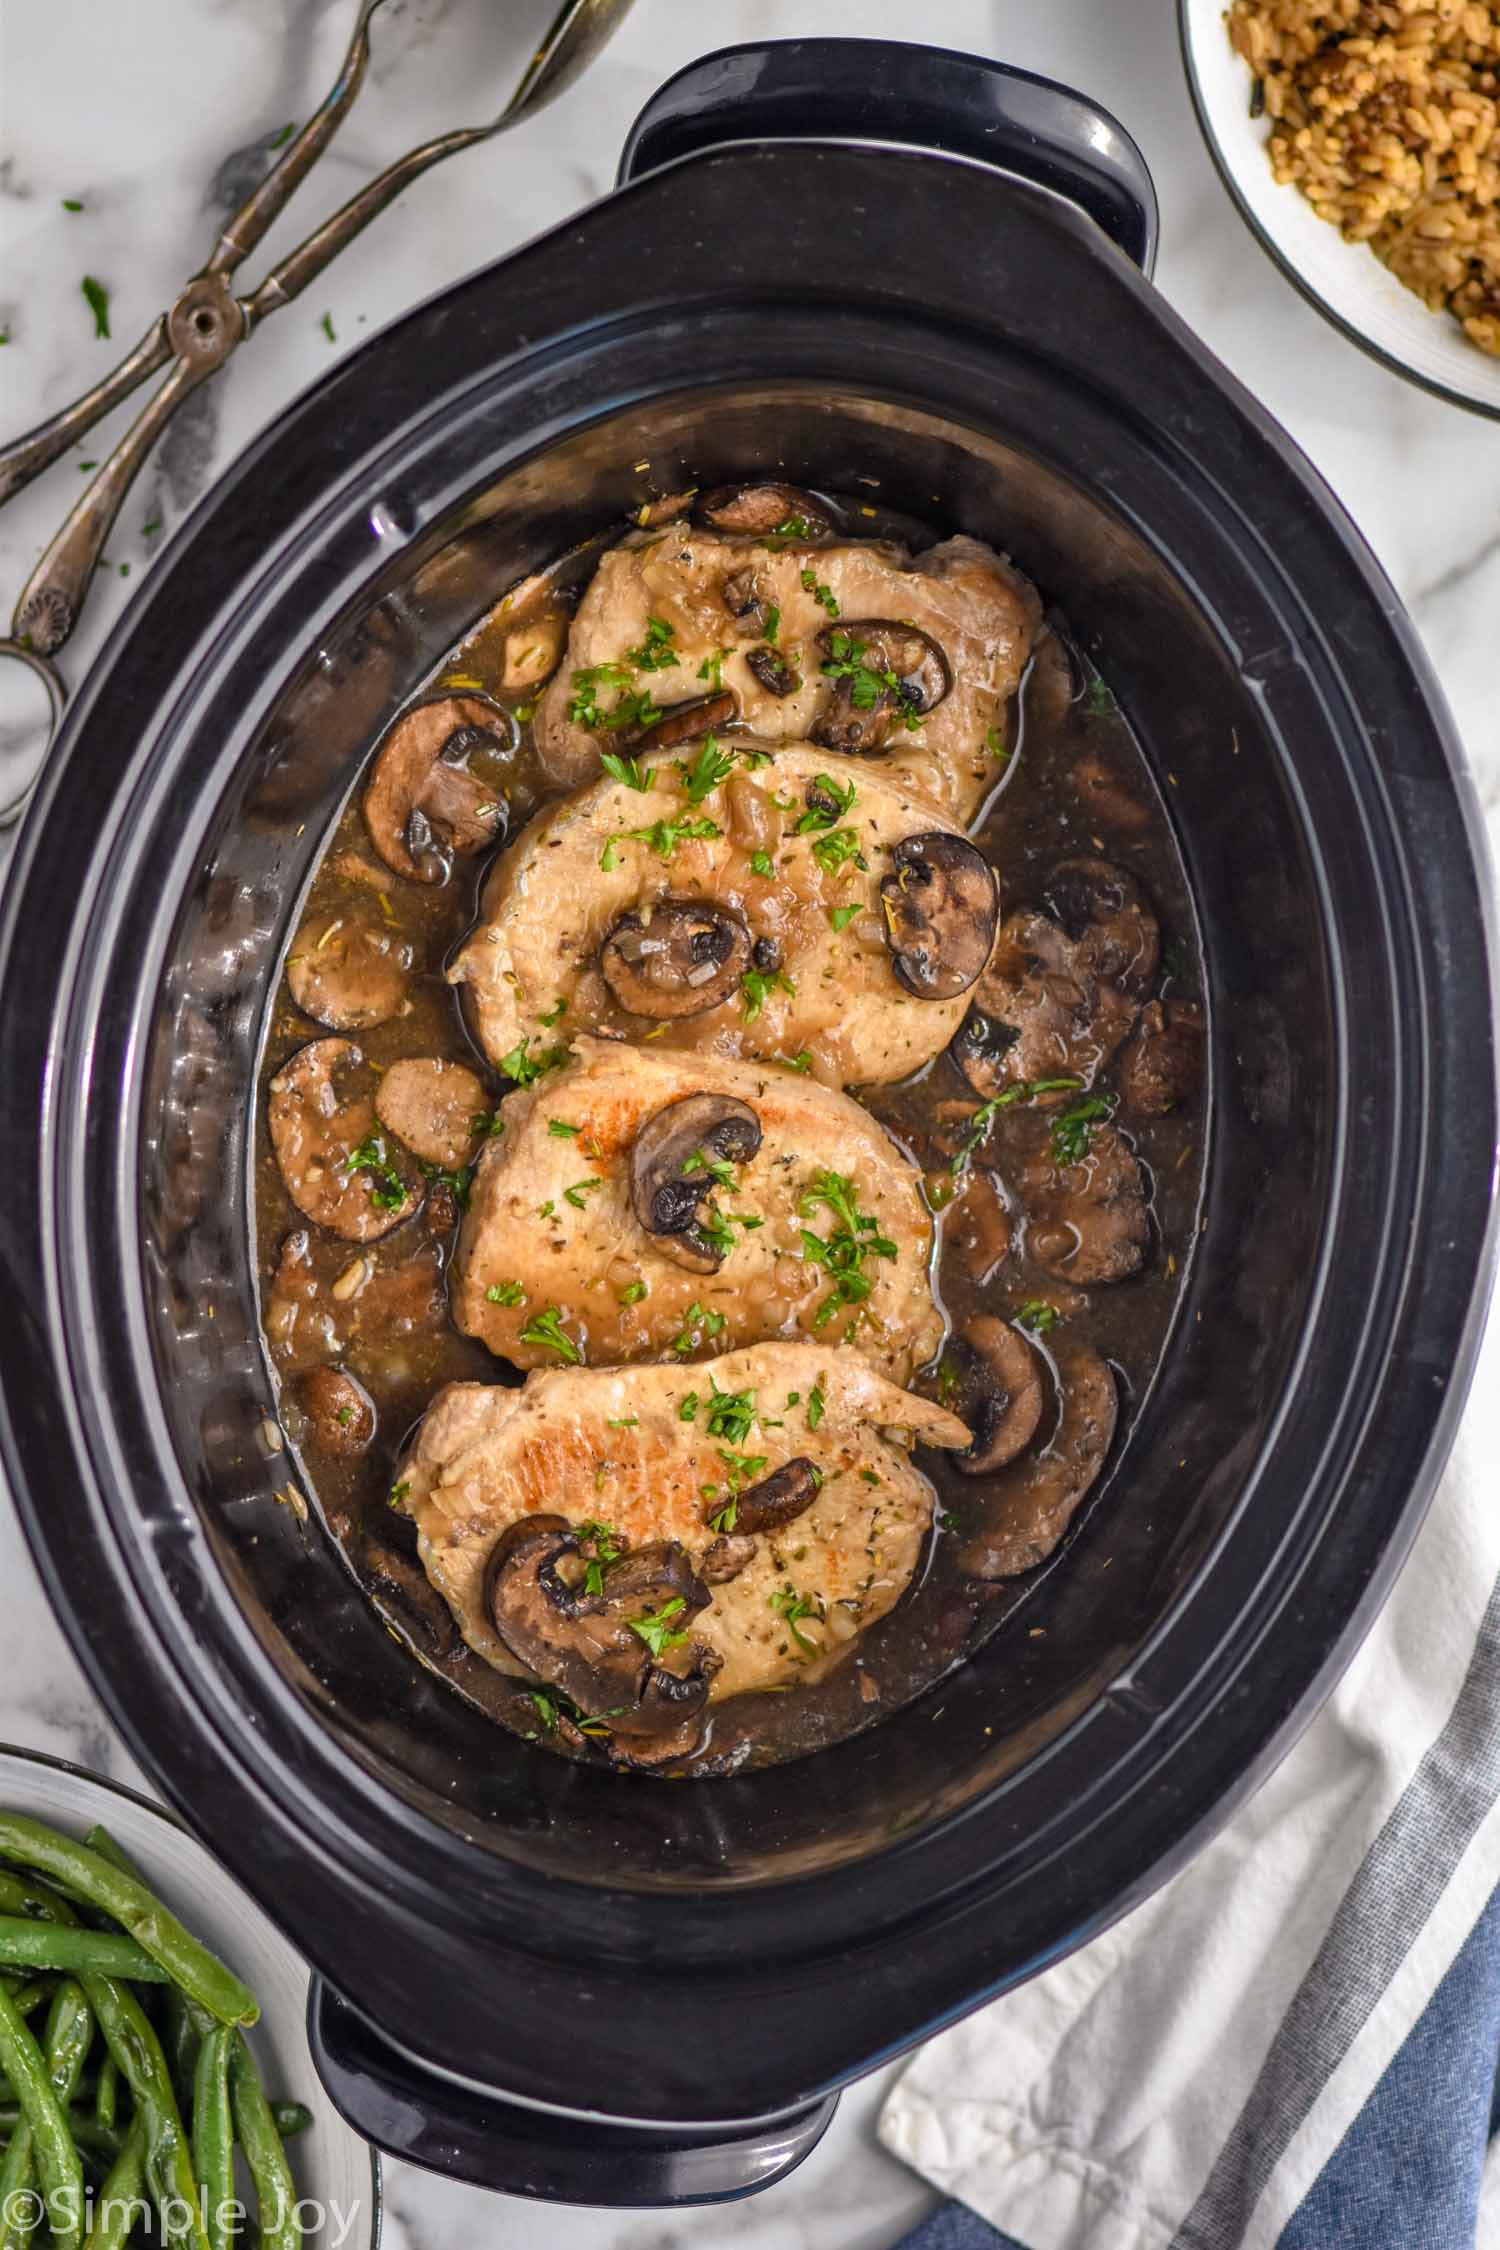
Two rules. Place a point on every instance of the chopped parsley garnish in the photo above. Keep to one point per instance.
(790, 527)
(772, 625)
(688, 1411)
(279, 140)
(1024, 1090)
(838, 850)
(1099, 700)
(460, 1181)
(867, 684)
(842, 1253)
(487, 1125)
(827, 804)
(696, 1325)
(96, 296)
(1073, 1128)
(948, 1521)
(731, 1414)
(842, 916)
(632, 1293)
(546, 1709)
(994, 742)
(725, 1518)
(743, 1468)
(584, 709)
(561, 1130)
(821, 594)
(802, 1060)
(717, 1167)
(629, 770)
(756, 987)
(326, 324)
(761, 863)
(664, 836)
(712, 669)
(579, 1192)
(605, 1541)
(707, 770)
(816, 1402)
(634, 708)
(1037, 1315)
(524, 1067)
(387, 1188)
(400, 1494)
(505, 1293)
(655, 1628)
(656, 653)
(546, 1329)
(71, 203)
(609, 858)
(792, 1606)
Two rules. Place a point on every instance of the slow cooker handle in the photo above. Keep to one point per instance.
(918, 97)
(554, 2155)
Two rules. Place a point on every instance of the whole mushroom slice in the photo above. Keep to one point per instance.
(684, 722)
(1086, 1222)
(423, 807)
(941, 904)
(681, 958)
(1162, 1061)
(347, 971)
(671, 1171)
(340, 1411)
(777, 1500)
(777, 674)
(434, 1108)
(1036, 1499)
(996, 1387)
(747, 595)
(590, 1645)
(337, 1168)
(1108, 917)
(882, 671)
(751, 511)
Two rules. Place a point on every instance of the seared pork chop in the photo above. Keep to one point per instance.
(603, 1200)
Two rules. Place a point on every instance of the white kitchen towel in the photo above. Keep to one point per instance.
(1185, 2080)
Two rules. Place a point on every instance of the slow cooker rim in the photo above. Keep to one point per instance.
(201, 525)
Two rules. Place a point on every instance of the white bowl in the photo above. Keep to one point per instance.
(334, 2169)
(1345, 280)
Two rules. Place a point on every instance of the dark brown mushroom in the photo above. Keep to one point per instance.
(1037, 1498)
(432, 1107)
(340, 1412)
(1107, 795)
(670, 1172)
(1108, 917)
(684, 722)
(1162, 1062)
(777, 1500)
(1086, 1222)
(747, 595)
(680, 958)
(941, 905)
(588, 1644)
(423, 807)
(881, 671)
(725, 1558)
(339, 1171)
(348, 971)
(992, 1379)
(752, 510)
(777, 674)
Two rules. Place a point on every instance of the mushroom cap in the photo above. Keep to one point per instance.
(942, 904)
(431, 1106)
(422, 806)
(902, 669)
(670, 1175)
(341, 1411)
(687, 721)
(1000, 1392)
(321, 1115)
(347, 971)
(1108, 916)
(1086, 1222)
(682, 958)
(752, 510)
(1037, 1498)
(778, 1499)
(1162, 1061)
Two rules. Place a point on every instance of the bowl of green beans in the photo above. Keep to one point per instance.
(155, 2082)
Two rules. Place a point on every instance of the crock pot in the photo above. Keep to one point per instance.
(575, 1983)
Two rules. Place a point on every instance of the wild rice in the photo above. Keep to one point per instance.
(1386, 114)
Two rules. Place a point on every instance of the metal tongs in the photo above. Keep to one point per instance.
(209, 322)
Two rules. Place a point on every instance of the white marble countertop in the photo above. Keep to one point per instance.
(153, 114)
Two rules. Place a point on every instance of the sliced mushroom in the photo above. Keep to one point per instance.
(941, 905)
(1162, 1063)
(670, 1175)
(881, 671)
(1086, 1222)
(432, 1107)
(533, 650)
(725, 1558)
(347, 971)
(777, 674)
(587, 1645)
(1108, 916)
(747, 596)
(778, 1499)
(423, 807)
(752, 510)
(1038, 1498)
(337, 1169)
(684, 722)
(340, 1411)
(995, 1380)
(681, 958)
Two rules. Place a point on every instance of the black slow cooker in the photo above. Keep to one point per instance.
(575, 1983)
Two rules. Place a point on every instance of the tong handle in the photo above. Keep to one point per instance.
(27, 456)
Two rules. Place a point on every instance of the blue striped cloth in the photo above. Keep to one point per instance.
(1294, 2045)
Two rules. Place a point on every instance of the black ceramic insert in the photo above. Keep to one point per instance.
(604, 1944)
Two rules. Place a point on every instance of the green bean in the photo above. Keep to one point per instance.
(213, 2139)
(86, 2130)
(52, 2150)
(291, 2118)
(52, 1945)
(85, 1874)
(107, 2092)
(183, 2022)
(37, 1901)
(255, 2128)
(26, 1997)
(137, 2052)
(120, 2203)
